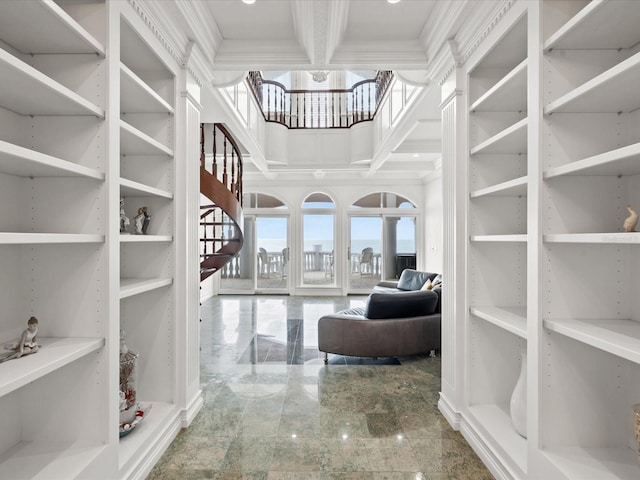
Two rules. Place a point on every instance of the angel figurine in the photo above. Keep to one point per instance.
(27, 343)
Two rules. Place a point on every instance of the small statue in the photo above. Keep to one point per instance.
(142, 221)
(139, 222)
(124, 220)
(147, 219)
(27, 343)
(631, 221)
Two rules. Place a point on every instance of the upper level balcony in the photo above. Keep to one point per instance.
(314, 108)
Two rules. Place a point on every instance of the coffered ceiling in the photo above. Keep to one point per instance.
(411, 37)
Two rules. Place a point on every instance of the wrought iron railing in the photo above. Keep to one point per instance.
(336, 108)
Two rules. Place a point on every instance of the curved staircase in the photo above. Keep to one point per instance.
(221, 219)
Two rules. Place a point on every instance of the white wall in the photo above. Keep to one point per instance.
(433, 224)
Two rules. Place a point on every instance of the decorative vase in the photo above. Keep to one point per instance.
(128, 386)
(636, 418)
(519, 399)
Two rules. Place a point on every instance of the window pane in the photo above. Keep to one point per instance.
(318, 255)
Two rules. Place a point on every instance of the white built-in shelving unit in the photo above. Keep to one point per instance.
(52, 240)
(87, 117)
(147, 262)
(497, 245)
(591, 170)
(553, 123)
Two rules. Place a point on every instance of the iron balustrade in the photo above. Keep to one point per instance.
(335, 108)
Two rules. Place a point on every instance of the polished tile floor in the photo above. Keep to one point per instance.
(273, 410)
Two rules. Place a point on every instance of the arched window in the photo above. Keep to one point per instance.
(261, 200)
(383, 200)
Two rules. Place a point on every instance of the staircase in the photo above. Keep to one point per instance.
(221, 217)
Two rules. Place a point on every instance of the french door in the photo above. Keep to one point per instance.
(263, 263)
(380, 247)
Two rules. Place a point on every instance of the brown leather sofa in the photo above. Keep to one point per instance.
(398, 319)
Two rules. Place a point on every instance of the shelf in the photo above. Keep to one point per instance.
(54, 354)
(23, 162)
(48, 460)
(508, 95)
(157, 427)
(137, 97)
(496, 420)
(513, 238)
(610, 92)
(145, 238)
(596, 463)
(135, 286)
(21, 24)
(512, 319)
(599, 25)
(129, 188)
(512, 188)
(628, 238)
(27, 91)
(511, 140)
(620, 337)
(135, 142)
(17, 238)
(622, 161)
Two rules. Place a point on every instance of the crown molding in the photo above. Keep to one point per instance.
(242, 55)
(453, 51)
(170, 36)
(471, 38)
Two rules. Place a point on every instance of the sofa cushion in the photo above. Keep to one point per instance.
(413, 279)
(401, 305)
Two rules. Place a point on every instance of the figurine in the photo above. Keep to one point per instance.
(631, 221)
(27, 343)
(124, 220)
(142, 221)
(147, 219)
(139, 222)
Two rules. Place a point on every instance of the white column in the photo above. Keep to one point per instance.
(187, 282)
(454, 186)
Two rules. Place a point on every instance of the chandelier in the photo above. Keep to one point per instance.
(319, 76)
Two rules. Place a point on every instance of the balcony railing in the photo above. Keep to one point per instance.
(336, 108)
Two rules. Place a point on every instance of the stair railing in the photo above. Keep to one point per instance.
(221, 221)
(335, 108)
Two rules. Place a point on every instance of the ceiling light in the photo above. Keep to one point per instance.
(388, 1)
(251, 2)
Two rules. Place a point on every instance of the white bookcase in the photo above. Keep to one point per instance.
(88, 104)
(591, 171)
(497, 245)
(553, 158)
(52, 240)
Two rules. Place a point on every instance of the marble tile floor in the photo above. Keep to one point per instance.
(274, 411)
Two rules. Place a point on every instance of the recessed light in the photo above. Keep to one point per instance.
(251, 2)
(393, 1)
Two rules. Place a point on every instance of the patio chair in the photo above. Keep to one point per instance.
(366, 258)
(267, 264)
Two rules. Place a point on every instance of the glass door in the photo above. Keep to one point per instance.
(238, 276)
(272, 257)
(263, 263)
(400, 245)
(365, 267)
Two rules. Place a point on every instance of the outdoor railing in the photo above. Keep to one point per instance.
(336, 108)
